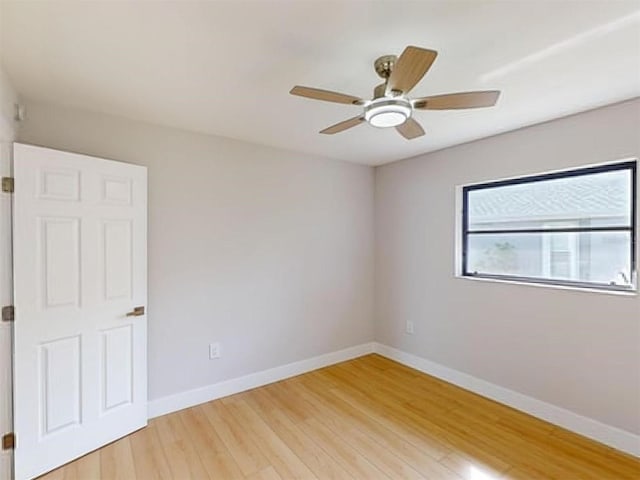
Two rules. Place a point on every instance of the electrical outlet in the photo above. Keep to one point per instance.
(409, 327)
(214, 351)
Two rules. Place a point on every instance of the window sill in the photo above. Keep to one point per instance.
(624, 293)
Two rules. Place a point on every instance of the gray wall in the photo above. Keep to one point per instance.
(267, 251)
(574, 349)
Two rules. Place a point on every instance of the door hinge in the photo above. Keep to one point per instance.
(9, 441)
(8, 313)
(7, 184)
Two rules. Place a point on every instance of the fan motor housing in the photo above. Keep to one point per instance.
(384, 65)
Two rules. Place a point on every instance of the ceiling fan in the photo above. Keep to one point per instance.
(390, 106)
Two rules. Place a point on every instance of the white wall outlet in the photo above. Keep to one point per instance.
(409, 327)
(214, 350)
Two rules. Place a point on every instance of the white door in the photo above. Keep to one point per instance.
(80, 263)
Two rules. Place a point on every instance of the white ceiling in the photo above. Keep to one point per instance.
(226, 67)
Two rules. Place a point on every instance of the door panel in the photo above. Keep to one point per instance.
(59, 261)
(59, 184)
(116, 191)
(80, 264)
(60, 384)
(117, 263)
(117, 367)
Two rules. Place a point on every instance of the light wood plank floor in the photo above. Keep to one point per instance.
(368, 418)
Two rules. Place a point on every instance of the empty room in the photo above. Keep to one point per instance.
(319, 239)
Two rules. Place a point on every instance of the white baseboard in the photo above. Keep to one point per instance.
(179, 401)
(611, 436)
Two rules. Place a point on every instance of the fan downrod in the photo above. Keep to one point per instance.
(384, 66)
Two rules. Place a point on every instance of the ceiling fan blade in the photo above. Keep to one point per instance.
(410, 67)
(452, 101)
(339, 127)
(326, 95)
(410, 129)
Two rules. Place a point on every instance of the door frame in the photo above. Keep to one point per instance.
(6, 298)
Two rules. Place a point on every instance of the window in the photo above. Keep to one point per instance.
(573, 228)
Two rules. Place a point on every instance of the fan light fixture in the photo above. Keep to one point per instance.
(387, 112)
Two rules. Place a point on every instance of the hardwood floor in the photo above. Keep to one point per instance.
(369, 418)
